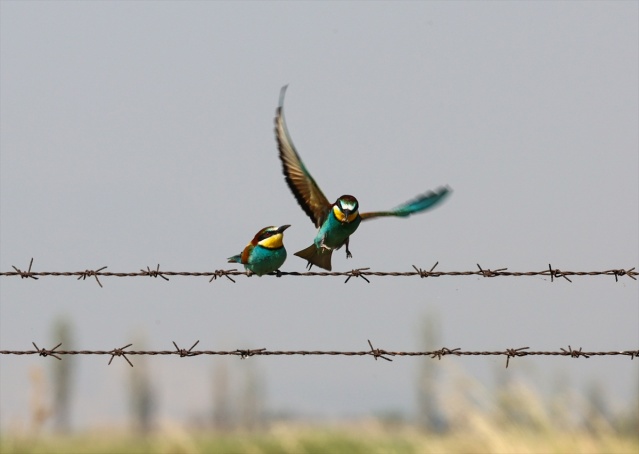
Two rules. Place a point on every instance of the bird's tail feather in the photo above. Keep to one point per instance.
(235, 259)
(317, 256)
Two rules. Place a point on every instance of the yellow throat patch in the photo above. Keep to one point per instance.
(340, 215)
(272, 242)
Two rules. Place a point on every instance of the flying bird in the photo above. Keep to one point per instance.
(265, 253)
(338, 221)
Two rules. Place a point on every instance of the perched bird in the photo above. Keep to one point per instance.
(265, 253)
(337, 221)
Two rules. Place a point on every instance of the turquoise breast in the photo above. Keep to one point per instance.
(334, 233)
(263, 260)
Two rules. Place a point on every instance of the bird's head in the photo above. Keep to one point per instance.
(346, 209)
(270, 237)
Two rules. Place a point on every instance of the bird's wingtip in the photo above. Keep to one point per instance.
(282, 93)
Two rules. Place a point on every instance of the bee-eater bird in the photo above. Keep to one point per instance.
(338, 221)
(265, 253)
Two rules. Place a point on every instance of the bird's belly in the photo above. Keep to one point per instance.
(265, 261)
(335, 236)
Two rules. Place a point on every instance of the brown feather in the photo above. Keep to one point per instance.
(317, 256)
(246, 252)
(302, 185)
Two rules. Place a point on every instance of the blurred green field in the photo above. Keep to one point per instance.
(361, 438)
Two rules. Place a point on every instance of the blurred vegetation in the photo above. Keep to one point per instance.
(63, 372)
(142, 396)
(511, 419)
(363, 437)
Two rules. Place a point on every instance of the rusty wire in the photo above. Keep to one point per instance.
(551, 272)
(374, 352)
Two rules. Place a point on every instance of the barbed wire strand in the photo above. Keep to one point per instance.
(374, 352)
(551, 272)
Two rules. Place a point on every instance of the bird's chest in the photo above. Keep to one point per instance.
(260, 255)
(333, 233)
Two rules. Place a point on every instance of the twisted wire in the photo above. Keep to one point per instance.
(364, 273)
(377, 353)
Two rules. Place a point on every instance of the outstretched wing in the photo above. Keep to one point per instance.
(418, 204)
(302, 184)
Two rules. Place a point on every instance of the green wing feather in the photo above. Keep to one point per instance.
(308, 194)
(418, 204)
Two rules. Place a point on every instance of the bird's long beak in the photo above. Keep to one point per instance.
(347, 213)
(283, 227)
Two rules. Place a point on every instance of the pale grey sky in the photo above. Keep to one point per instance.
(138, 133)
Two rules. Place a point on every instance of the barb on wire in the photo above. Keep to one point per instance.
(45, 352)
(246, 353)
(364, 273)
(377, 353)
(183, 352)
(25, 274)
(225, 273)
(630, 273)
(154, 273)
(423, 273)
(120, 352)
(87, 273)
(556, 273)
(490, 273)
(358, 272)
(374, 352)
(512, 352)
(576, 353)
(445, 351)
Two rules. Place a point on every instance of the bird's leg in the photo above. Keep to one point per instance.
(348, 253)
(309, 265)
(323, 246)
(278, 273)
